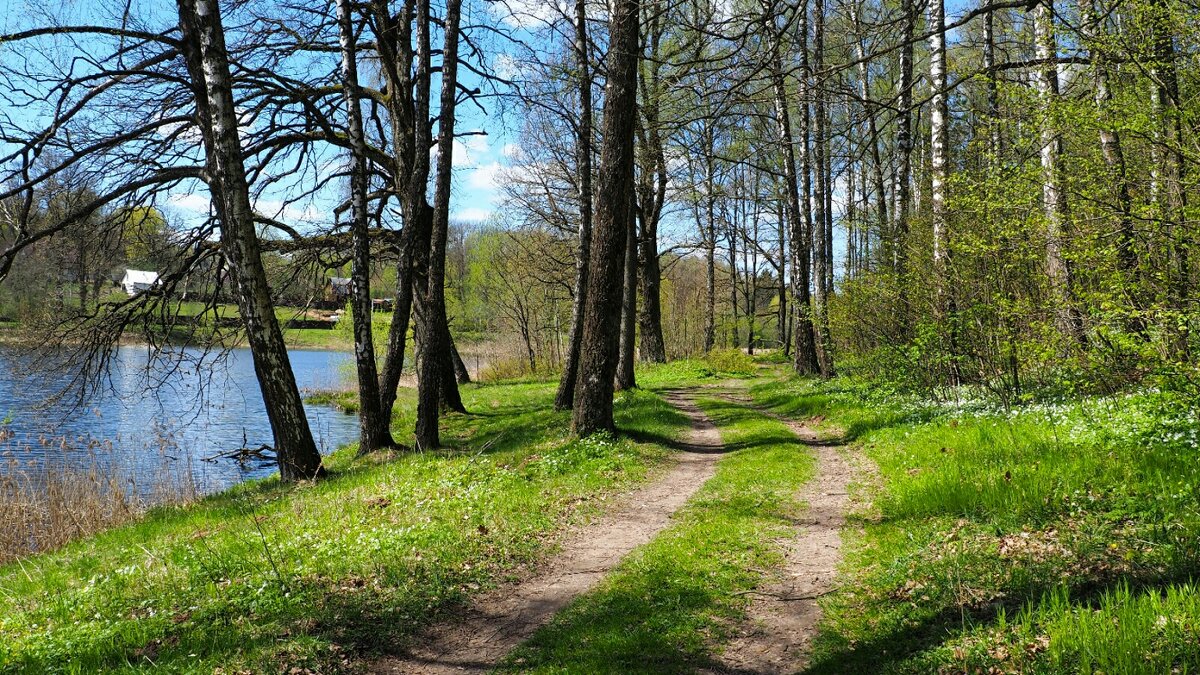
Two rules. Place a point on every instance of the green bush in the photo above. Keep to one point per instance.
(730, 362)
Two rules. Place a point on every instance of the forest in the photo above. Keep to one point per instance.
(934, 258)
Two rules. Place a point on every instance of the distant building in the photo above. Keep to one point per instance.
(339, 288)
(138, 281)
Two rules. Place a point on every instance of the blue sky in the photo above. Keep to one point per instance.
(477, 158)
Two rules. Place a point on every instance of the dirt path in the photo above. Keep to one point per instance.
(783, 615)
(500, 620)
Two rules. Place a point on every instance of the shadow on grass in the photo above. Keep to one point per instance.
(646, 625)
(889, 648)
(807, 406)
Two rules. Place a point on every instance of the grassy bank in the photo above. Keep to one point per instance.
(674, 600)
(269, 578)
(296, 338)
(1057, 538)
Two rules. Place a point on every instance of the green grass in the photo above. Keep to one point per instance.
(1053, 539)
(674, 600)
(296, 338)
(269, 577)
(718, 365)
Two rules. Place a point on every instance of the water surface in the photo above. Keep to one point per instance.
(155, 415)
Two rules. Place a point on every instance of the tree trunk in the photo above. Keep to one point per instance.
(1054, 199)
(821, 215)
(652, 196)
(871, 113)
(1172, 195)
(804, 351)
(625, 378)
(461, 374)
(433, 375)
(208, 64)
(904, 148)
(598, 349)
(374, 427)
(710, 242)
(81, 275)
(564, 398)
(1111, 148)
(653, 346)
(408, 103)
(781, 312)
(731, 235)
(938, 149)
(995, 139)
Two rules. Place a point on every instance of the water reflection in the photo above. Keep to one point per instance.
(160, 413)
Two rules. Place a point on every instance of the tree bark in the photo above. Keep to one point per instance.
(652, 196)
(208, 64)
(461, 374)
(1172, 195)
(1111, 146)
(432, 384)
(408, 103)
(871, 113)
(822, 244)
(374, 427)
(564, 398)
(781, 311)
(804, 350)
(598, 349)
(904, 147)
(625, 378)
(1054, 199)
(939, 136)
(710, 241)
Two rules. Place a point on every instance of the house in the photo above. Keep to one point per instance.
(137, 281)
(335, 294)
(339, 288)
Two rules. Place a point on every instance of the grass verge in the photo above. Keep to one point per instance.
(672, 601)
(271, 578)
(1058, 538)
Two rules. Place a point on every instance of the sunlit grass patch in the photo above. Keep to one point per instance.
(1037, 539)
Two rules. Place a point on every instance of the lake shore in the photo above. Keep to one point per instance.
(15, 334)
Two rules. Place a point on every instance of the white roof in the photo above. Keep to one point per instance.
(140, 277)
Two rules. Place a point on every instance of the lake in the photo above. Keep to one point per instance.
(158, 416)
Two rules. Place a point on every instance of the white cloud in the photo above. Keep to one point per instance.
(512, 151)
(477, 144)
(189, 201)
(467, 154)
(473, 214)
(530, 13)
(507, 67)
(292, 214)
(484, 177)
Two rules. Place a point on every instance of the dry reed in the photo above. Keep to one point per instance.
(45, 505)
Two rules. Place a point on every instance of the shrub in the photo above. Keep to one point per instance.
(730, 362)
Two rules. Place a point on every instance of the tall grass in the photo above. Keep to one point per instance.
(47, 504)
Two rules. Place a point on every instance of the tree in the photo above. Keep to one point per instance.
(564, 398)
(434, 377)
(374, 425)
(1054, 198)
(207, 62)
(593, 410)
